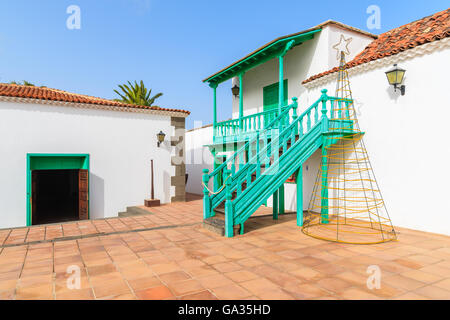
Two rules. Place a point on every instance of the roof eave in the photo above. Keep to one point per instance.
(260, 55)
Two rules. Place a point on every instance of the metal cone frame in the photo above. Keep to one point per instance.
(346, 204)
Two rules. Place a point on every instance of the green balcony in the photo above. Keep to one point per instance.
(236, 130)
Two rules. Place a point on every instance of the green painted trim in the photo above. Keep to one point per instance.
(281, 199)
(54, 161)
(280, 83)
(215, 106)
(260, 56)
(229, 213)
(299, 181)
(271, 95)
(312, 132)
(275, 205)
(241, 100)
(206, 200)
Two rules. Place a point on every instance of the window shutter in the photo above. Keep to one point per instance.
(271, 95)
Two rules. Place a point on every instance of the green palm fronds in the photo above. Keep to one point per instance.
(136, 93)
(24, 83)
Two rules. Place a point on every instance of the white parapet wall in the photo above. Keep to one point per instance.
(406, 136)
(198, 157)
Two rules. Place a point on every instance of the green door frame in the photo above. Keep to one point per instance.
(53, 161)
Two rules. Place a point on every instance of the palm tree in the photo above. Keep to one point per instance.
(24, 83)
(136, 94)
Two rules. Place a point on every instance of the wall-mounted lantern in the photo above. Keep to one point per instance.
(395, 78)
(160, 137)
(235, 90)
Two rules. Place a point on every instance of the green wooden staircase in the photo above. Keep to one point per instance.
(263, 163)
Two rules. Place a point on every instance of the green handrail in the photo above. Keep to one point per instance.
(280, 141)
(251, 123)
(281, 120)
(243, 148)
(266, 144)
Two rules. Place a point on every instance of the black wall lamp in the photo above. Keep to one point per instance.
(160, 137)
(395, 78)
(235, 90)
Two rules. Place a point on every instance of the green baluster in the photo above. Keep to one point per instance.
(325, 119)
(293, 134)
(300, 133)
(228, 208)
(258, 161)
(316, 114)
(308, 121)
(206, 200)
(267, 162)
(294, 108)
(294, 119)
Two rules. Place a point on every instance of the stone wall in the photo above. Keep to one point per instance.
(178, 180)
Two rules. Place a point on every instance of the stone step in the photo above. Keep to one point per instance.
(217, 225)
(133, 211)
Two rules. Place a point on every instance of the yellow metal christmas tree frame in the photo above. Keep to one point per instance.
(346, 204)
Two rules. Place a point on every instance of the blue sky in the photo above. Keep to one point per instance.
(171, 45)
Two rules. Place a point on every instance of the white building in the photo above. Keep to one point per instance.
(405, 134)
(67, 156)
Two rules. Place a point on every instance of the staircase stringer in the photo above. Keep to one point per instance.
(262, 188)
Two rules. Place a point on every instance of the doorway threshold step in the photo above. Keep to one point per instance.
(134, 211)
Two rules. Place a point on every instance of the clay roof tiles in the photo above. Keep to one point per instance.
(43, 93)
(408, 36)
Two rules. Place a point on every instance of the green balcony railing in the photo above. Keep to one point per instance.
(240, 129)
(256, 170)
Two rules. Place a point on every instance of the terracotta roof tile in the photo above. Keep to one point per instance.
(428, 29)
(41, 93)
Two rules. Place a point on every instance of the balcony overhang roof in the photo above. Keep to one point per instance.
(261, 55)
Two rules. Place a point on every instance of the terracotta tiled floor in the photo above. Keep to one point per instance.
(168, 255)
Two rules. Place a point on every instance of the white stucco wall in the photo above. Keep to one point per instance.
(120, 145)
(406, 136)
(310, 58)
(198, 157)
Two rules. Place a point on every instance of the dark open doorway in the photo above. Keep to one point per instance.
(55, 196)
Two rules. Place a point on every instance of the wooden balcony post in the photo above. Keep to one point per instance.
(229, 219)
(324, 190)
(281, 199)
(206, 202)
(214, 87)
(288, 47)
(275, 205)
(280, 82)
(299, 182)
(241, 102)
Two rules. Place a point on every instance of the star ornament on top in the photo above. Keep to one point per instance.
(342, 46)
